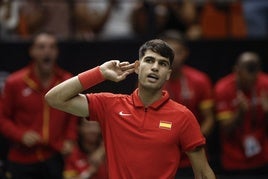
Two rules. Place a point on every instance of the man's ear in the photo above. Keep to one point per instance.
(168, 75)
(137, 65)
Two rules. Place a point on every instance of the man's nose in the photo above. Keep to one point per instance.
(155, 66)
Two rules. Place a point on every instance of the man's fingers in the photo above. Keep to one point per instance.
(127, 66)
(123, 63)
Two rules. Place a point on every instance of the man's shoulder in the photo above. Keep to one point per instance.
(225, 82)
(18, 75)
(63, 73)
(196, 74)
(107, 95)
(263, 76)
(176, 106)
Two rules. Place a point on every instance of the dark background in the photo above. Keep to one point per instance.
(215, 57)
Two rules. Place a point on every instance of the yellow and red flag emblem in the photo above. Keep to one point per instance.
(165, 125)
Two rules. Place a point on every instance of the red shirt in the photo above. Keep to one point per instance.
(194, 90)
(144, 142)
(247, 146)
(25, 109)
(77, 163)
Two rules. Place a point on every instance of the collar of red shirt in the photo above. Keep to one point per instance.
(138, 103)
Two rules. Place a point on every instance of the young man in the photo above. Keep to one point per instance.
(242, 108)
(145, 132)
(38, 133)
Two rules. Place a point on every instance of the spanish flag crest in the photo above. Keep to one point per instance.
(165, 125)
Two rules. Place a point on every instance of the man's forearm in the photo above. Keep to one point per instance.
(67, 95)
(64, 91)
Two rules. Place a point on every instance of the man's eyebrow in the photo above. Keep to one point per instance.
(160, 59)
(164, 60)
(149, 57)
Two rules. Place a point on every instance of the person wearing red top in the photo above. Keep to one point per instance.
(87, 160)
(242, 108)
(191, 88)
(3, 141)
(37, 132)
(145, 132)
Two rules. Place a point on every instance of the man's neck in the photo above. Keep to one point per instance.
(44, 77)
(148, 97)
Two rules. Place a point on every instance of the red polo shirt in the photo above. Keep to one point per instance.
(144, 142)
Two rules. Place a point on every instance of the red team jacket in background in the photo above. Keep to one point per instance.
(247, 147)
(24, 108)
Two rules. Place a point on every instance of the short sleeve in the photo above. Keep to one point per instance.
(190, 134)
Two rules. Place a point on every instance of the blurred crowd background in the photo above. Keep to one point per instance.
(126, 19)
(90, 32)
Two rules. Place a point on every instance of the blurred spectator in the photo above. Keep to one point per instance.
(41, 15)
(158, 16)
(242, 109)
(190, 87)
(9, 18)
(117, 15)
(256, 16)
(143, 20)
(3, 140)
(222, 19)
(90, 17)
(38, 134)
(83, 20)
(88, 159)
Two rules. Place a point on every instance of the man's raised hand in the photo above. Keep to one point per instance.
(116, 71)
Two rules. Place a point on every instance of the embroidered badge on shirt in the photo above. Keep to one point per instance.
(26, 92)
(165, 125)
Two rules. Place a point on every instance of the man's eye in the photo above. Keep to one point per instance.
(148, 60)
(164, 64)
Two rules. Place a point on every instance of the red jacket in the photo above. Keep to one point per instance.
(77, 162)
(247, 146)
(24, 108)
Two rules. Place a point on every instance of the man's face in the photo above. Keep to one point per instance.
(153, 70)
(180, 52)
(90, 132)
(44, 52)
(248, 69)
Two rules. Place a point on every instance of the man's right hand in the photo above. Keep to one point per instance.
(31, 138)
(116, 71)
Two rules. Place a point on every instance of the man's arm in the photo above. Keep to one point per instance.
(67, 95)
(208, 122)
(230, 123)
(200, 164)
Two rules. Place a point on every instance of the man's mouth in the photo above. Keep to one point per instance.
(153, 77)
(47, 60)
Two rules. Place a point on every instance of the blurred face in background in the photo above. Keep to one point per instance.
(90, 134)
(44, 52)
(181, 53)
(247, 69)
